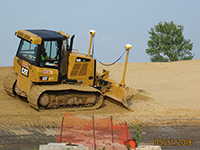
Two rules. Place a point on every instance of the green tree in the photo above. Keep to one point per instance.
(167, 43)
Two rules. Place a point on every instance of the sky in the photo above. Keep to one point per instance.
(116, 23)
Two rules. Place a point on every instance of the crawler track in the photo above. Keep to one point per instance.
(71, 96)
(9, 83)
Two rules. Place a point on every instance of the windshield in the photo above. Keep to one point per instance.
(28, 51)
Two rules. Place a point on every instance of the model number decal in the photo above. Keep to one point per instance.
(24, 71)
(44, 78)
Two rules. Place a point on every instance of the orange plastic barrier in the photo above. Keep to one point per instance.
(94, 132)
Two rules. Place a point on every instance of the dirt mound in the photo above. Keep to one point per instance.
(159, 94)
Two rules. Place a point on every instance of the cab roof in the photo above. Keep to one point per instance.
(36, 36)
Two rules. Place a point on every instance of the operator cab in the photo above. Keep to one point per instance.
(45, 56)
(42, 48)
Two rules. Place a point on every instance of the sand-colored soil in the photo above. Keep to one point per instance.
(162, 94)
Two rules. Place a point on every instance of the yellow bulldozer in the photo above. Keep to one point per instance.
(51, 74)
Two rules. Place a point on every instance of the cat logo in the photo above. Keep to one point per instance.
(24, 71)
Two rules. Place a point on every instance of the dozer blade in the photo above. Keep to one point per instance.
(118, 94)
(114, 90)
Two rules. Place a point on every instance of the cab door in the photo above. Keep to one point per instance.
(26, 58)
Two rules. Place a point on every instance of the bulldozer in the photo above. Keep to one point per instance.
(49, 73)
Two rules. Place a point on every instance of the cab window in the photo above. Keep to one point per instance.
(49, 54)
(28, 51)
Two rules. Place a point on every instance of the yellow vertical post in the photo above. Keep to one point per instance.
(128, 47)
(92, 32)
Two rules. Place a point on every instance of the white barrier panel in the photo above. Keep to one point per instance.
(113, 146)
(62, 146)
(148, 148)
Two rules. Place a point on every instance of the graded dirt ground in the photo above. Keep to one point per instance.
(160, 94)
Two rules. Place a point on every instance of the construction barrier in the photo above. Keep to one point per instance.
(62, 146)
(94, 132)
(146, 147)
